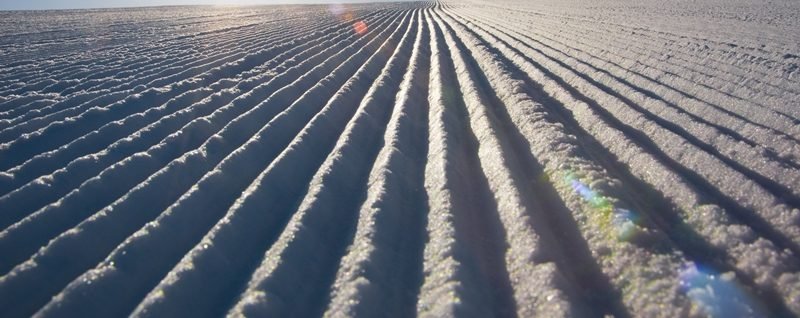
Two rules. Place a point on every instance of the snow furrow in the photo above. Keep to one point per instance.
(188, 137)
(736, 126)
(95, 187)
(233, 134)
(766, 211)
(382, 268)
(446, 158)
(730, 61)
(213, 192)
(774, 178)
(103, 136)
(156, 94)
(452, 282)
(246, 217)
(538, 264)
(745, 265)
(131, 87)
(327, 213)
(680, 76)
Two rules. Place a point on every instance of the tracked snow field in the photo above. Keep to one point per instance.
(473, 159)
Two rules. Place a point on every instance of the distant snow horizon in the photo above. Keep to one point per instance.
(16, 5)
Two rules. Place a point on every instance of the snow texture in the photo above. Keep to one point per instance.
(450, 158)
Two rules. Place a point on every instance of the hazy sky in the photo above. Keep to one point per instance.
(75, 4)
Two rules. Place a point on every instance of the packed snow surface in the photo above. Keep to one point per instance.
(457, 158)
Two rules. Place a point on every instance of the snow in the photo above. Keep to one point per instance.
(449, 158)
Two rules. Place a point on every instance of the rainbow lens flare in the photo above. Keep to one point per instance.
(718, 295)
(622, 222)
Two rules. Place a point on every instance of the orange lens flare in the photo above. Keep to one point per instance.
(360, 27)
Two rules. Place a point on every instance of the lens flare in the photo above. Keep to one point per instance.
(718, 295)
(624, 222)
(360, 27)
(619, 221)
(591, 196)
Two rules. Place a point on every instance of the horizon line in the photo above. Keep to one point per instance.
(280, 3)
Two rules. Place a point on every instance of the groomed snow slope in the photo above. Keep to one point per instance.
(532, 158)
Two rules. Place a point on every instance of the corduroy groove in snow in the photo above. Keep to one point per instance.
(456, 158)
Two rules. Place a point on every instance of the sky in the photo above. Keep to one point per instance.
(80, 4)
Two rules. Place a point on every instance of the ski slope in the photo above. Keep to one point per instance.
(458, 158)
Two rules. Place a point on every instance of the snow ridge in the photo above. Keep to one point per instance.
(470, 158)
